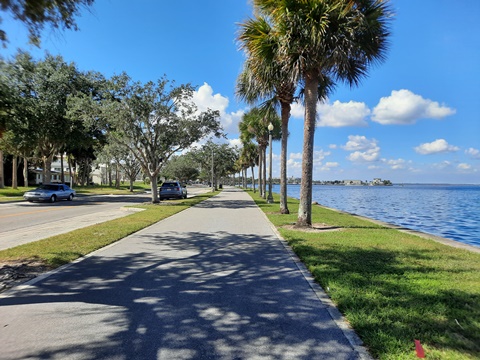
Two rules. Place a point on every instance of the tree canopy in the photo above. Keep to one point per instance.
(35, 14)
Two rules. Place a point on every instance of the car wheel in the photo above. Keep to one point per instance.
(70, 197)
(53, 199)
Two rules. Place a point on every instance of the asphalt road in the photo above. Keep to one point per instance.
(23, 222)
(211, 282)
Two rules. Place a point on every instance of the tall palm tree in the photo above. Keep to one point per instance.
(263, 78)
(339, 38)
(249, 157)
(253, 126)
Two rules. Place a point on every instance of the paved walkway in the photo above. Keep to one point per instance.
(212, 282)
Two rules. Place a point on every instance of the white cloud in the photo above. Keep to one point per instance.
(395, 164)
(435, 147)
(297, 110)
(363, 149)
(474, 153)
(337, 114)
(205, 99)
(235, 142)
(341, 114)
(358, 143)
(464, 166)
(404, 107)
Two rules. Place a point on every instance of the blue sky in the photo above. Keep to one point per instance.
(415, 118)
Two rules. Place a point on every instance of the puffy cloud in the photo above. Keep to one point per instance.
(330, 164)
(297, 110)
(341, 114)
(205, 99)
(358, 142)
(363, 149)
(337, 114)
(404, 107)
(474, 153)
(435, 147)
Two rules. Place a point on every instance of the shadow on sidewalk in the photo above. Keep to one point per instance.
(187, 296)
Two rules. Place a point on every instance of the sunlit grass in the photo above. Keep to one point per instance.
(392, 287)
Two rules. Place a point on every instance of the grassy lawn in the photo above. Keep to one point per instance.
(391, 286)
(62, 249)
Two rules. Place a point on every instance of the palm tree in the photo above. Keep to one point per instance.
(253, 126)
(249, 157)
(338, 38)
(263, 78)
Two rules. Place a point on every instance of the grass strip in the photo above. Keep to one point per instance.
(64, 248)
(392, 287)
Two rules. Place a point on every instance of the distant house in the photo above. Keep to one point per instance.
(56, 173)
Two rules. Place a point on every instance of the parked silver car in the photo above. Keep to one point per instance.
(173, 189)
(50, 192)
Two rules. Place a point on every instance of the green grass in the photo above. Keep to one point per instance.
(62, 249)
(392, 287)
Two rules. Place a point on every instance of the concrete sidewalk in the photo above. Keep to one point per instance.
(212, 282)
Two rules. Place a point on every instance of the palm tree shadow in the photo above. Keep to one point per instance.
(192, 295)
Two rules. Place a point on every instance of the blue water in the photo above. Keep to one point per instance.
(449, 211)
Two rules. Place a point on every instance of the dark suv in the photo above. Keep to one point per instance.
(172, 189)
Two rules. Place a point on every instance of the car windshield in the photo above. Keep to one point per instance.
(48, 187)
(169, 184)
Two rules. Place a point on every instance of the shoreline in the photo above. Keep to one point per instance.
(439, 239)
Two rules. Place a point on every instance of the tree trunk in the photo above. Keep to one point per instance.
(253, 179)
(47, 169)
(2, 172)
(25, 172)
(117, 177)
(70, 171)
(62, 172)
(305, 205)
(260, 169)
(132, 180)
(154, 187)
(283, 161)
(14, 173)
(109, 169)
(264, 172)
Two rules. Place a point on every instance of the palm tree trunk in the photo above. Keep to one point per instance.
(283, 161)
(260, 171)
(305, 205)
(264, 172)
(253, 178)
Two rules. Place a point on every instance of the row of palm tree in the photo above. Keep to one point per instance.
(299, 50)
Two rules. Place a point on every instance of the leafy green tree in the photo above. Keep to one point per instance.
(217, 160)
(38, 121)
(154, 121)
(183, 168)
(341, 38)
(35, 14)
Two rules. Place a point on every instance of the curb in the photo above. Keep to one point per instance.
(355, 342)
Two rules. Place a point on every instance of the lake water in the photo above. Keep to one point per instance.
(449, 211)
